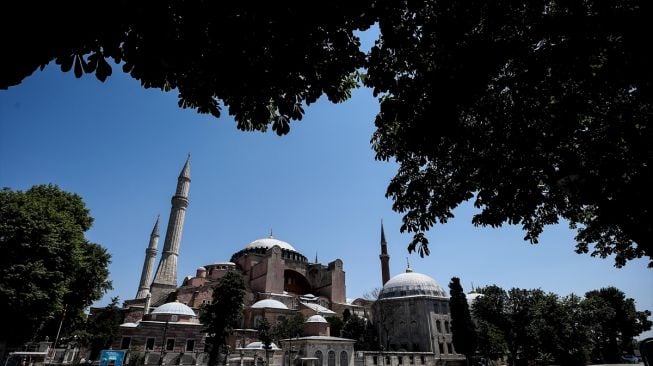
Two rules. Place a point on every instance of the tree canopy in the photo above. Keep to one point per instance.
(48, 269)
(534, 325)
(536, 110)
(102, 328)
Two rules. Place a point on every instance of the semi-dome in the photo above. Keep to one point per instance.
(411, 284)
(175, 308)
(269, 243)
(316, 319)
(269, 304)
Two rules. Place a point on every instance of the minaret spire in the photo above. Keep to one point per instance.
(165, 280)
(148, 264)
(385, 258)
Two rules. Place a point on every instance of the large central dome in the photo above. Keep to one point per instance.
(269, 243)
(411, 284)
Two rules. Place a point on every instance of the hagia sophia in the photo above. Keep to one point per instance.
(161, 324)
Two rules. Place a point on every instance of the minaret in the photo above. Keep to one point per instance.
(165, 280)
(148, 265)
(385, 258)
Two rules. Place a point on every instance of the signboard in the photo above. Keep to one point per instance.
(112, 357)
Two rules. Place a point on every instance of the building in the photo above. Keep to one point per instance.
(161, 323)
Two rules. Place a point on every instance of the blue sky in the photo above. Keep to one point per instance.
(121, 148)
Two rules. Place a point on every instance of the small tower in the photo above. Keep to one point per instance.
(165, 280)
(385, 258)
(148, 265)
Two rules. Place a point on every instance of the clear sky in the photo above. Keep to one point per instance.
(121, 148)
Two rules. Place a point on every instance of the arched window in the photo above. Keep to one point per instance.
(446, 326)
(438, 326)
(332, 358)
(318, 355)
(343, 358)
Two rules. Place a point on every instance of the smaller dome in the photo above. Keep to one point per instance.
(269, 304)
(175, 308)
(411, 284)
(472, 297)
(269, 243)
(259, 345)
(201, 269)
(316, 319)
(225, 263)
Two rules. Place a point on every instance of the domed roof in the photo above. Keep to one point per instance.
(225, 263)
(175, 308)
(316, 319)
(471, 297)
(269, 304)
(269, 243)
(411, 284)
(259, 345)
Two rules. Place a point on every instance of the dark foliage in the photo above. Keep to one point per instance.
(615, 322)
(289, 327)
(462, 326)
(536, 110)
(264, 61)
(362, 331)
(223, 314)
(48, 270)
(533, 325)
(103, 327)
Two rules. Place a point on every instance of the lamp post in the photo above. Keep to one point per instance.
(163, 344)
(226, 355)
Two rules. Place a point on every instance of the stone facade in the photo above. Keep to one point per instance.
(411, 313)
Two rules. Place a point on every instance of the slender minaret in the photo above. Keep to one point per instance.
(165, 280)
(385, 258)
(148, 265)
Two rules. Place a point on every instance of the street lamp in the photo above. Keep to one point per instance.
(291, 350)
(163, 344)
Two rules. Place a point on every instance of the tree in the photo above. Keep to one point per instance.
(507, 318)
(462, 327)
(223, 314)
(373, 294)
(103, 327)
(262, 61)
(533, 325)
(47, 266)
(362, 331)
(289, 327)
(573, 333)
(537, 110)
(265, 336)
(616, 322)
(335, 324)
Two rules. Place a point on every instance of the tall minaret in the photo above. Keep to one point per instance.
(148, 265)
(385, 258)
(165, 280)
